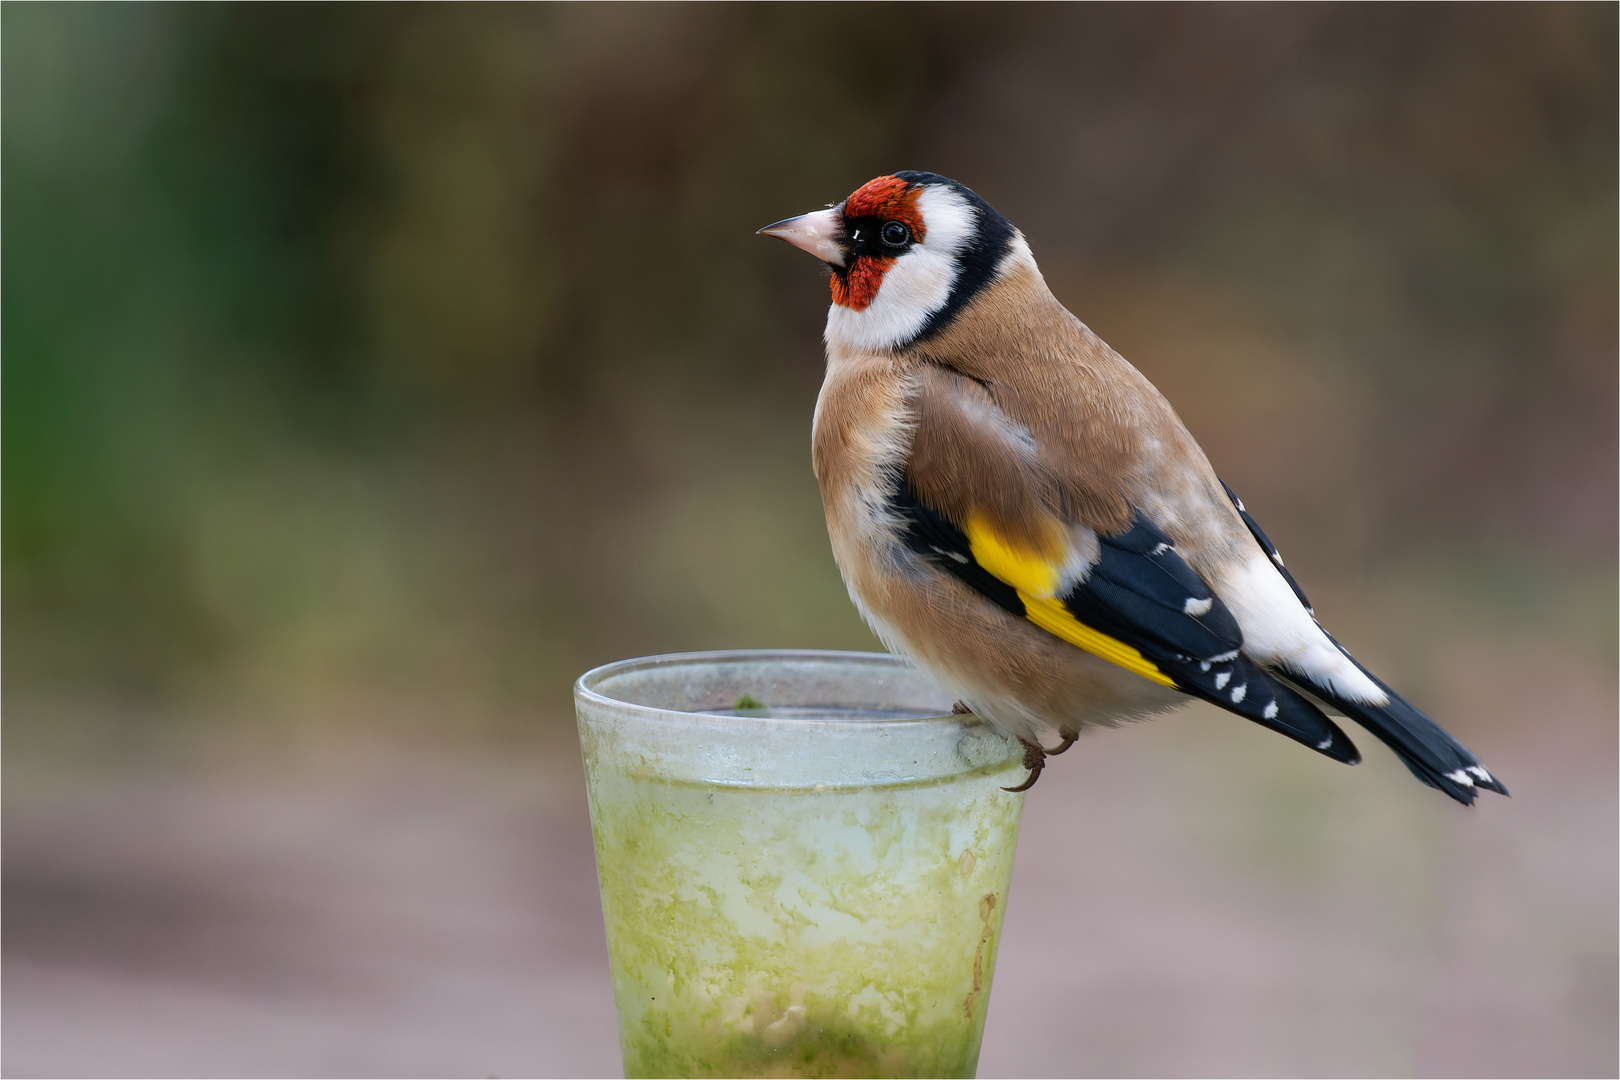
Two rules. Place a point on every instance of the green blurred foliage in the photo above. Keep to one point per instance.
(423, 355)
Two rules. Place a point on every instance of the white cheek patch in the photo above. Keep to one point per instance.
(1278, 630)
(916, 286)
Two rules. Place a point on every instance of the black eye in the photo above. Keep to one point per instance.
(895, 235)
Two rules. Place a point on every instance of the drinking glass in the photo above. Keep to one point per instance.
(804, 860)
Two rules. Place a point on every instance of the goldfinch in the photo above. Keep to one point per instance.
(1016, 509)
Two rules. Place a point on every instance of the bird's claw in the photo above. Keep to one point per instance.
(1035, 754)
(1068, 735)
(1034, 761)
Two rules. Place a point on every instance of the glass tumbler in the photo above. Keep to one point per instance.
(804, 862)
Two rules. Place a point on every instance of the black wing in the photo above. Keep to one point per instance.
(1142, 594)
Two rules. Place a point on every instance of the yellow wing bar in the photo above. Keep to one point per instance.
(1053, 617)
(1035, 576)
(1033, 572)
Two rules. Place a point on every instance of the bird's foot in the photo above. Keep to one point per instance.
(1068, 735)
(960, 709)
(1034, 761)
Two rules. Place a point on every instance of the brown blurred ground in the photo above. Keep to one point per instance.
(1191, 898)
(372, 370)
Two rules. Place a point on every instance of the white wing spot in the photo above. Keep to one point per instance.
(1222, 679)
(1238, 692)
(1194, 606)
(1270, 713)
(1479, 771)
(1461, 777)
(1160, 549)
(1325, 743)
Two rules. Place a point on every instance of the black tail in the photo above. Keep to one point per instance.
(1424, 746)
(1303, 722)
(1433, 756)
(1237, 684)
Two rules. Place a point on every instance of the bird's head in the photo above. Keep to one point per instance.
(907, 252)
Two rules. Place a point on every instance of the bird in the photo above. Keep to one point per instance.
(1018, 511)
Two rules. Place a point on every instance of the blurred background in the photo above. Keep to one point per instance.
(372, 370)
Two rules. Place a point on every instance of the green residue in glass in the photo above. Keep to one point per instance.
(813, 932)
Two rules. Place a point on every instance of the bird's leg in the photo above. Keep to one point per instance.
(1034, 761)
(1068, 735)
(1034, 756)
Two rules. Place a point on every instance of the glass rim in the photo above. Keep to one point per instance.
(585, 685)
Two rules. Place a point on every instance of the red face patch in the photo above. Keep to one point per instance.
(888, 198)
(857, 287)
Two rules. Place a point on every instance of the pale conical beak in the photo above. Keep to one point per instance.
(819, 233)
